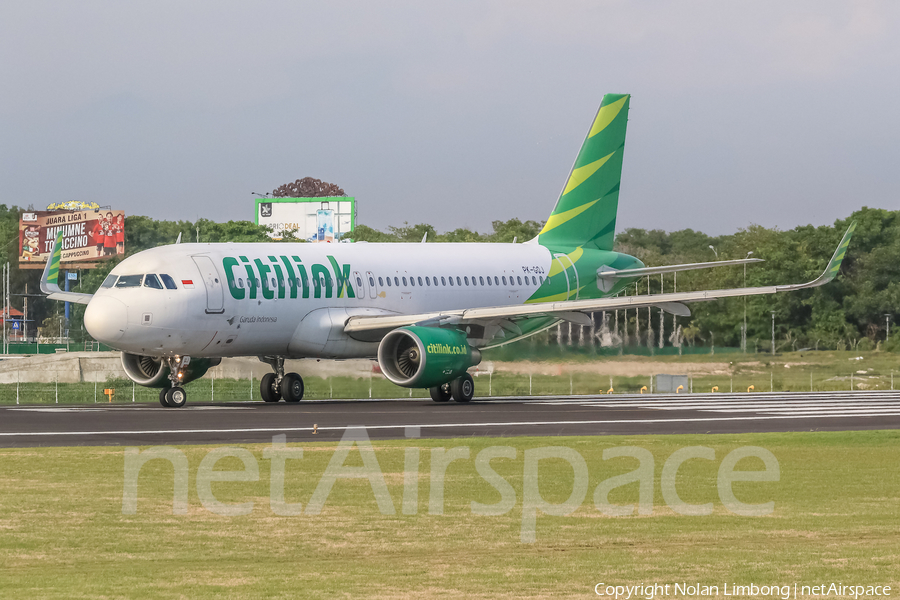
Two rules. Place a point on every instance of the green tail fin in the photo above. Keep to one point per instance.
(585, 214)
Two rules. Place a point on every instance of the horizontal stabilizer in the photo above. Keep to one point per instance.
(607, 273)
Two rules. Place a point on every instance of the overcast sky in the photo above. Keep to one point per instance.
(455, 114)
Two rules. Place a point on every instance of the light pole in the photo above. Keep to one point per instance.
(773, 333)
(887, 335)
(714, 251)
(744, 332)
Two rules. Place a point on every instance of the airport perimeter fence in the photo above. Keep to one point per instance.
(495, 384)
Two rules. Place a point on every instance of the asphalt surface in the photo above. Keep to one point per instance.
(233, 422)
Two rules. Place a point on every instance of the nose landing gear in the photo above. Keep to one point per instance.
(275, 386)
(175, 396)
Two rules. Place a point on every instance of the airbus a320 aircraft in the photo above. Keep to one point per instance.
(424, 310)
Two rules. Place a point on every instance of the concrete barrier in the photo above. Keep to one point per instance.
(77, 367)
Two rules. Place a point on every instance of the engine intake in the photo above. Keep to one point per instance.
(152, 371)
(424, 357)
(148, 371)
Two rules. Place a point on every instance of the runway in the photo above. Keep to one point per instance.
(236, 422)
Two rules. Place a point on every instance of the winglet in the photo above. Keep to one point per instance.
(834, 265)
(50, 278)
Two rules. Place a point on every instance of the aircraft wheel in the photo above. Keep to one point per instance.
(176, 397)
(162, 397)
(440, 393)
(462, 388)
(268, 390)
(292, 387)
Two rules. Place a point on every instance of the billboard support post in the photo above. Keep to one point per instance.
(4, 308)
(67, 306)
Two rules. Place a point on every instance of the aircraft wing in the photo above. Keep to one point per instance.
(50, 278)
(568, 310)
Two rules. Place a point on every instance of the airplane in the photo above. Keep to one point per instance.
(425, 311)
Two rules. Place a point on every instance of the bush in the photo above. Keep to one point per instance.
(893, 345)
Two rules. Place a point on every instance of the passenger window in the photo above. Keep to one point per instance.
(427, 280)
(481, 280)
(466, 280)
(504, 279)
(371, 281)
(359, 282)
(397, 281)
(404, 282)
(474, 281)
(489, 280)
(443, 281)
(451, 281)
(126, 281)
(381, 281)
(420, 281)
(388, 281)
(152, 281)
(109, 281)
(519, 279)
(533, 280)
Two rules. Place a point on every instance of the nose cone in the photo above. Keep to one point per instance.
(105, 319)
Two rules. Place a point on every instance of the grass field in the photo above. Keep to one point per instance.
(580, 373)
(63, 533)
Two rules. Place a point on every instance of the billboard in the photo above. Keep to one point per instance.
(88, 235)
(312, 219)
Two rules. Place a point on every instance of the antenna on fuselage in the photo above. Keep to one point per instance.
(515, 237)
(424, 237)
(178, 241)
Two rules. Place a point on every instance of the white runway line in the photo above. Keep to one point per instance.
(422, 425)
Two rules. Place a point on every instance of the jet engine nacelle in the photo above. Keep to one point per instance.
(151, 371)
(424, 357)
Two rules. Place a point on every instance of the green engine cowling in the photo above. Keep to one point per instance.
(151, 371)
(424, 357)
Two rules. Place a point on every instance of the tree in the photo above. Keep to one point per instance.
(308, 188)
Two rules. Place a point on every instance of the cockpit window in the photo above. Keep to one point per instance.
(170, 283)
(126, 281)
(109, 281)
(152, 281)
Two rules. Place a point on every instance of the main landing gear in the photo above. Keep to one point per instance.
(461, 389)
(275, 386)
(175, 396)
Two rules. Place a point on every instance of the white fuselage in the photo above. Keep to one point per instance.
(287, 299)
